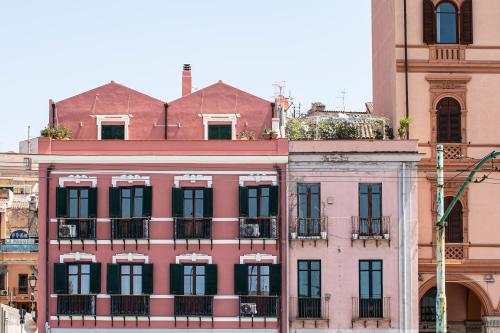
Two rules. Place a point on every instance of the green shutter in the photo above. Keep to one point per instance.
(241, 279)
(147, 201)
(113, 279)
(211, 280)
(177, 204)
(275, 277)
(273, 200)
(147, 279)
(176, 276)
(60, 279)
(114, 202)
(208, 202)
(95, 278)
(61, 202)
(93, 202)
(243, 201)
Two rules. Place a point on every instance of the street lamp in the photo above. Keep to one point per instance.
(32, 281)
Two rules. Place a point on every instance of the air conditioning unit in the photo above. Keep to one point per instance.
(4, 292)
(250, 230)
(67, 231)
(248, 309)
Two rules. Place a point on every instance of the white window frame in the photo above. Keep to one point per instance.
(115, 118)
(220, 117)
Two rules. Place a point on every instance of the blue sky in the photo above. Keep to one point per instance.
(56, 49)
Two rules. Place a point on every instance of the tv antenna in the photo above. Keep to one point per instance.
(343, 93)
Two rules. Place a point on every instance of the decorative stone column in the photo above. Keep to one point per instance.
(491, 324)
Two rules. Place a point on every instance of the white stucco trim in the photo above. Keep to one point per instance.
(257, 257)
(192, 178)
(131, 257)
(130, 179)
(257, 178)
(100, 118)
(77, 179)
(219, 117)
(193, 257)
(77, 256)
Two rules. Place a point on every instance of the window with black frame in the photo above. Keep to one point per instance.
(258, 211)
(309, 289)
(22, 283)
(309, 210)
(192, 209)
(130, 209)
(428, 306)
(113, 132)
(370, 289)
(220, 132)
(370, 209)
(76, 210)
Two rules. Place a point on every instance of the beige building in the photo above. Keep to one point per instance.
(448, 84)
(18, 229)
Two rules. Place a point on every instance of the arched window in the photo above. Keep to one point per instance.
(448, 121)
(428, 306)
(446, 23)
(454, 228)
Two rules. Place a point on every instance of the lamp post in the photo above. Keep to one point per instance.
(32, 281)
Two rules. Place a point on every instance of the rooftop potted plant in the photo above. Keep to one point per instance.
(57, 132)
(247, 135)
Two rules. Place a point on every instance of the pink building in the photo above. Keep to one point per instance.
(161, 216)
(353, 236)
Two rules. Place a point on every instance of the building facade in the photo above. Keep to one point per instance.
(452, 71)
(163, 216)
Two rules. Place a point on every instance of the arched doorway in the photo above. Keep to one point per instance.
(449, 121)
(464, 310)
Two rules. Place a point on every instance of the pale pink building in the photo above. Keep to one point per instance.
(352, 236)
(452, 71)
(160, 216)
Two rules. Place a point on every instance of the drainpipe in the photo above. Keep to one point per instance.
(165, 108)
(280, 248)
(287, 269)
(406, 66)
(53, 114)
(47, 224)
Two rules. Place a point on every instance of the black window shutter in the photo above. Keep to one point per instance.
(466, 23)
(113, 279)
(176, 277)
(241, 279)
(93, 202)
(147, 279)
(177, 204)
(429, 22)
(147, 201)
(208, 202)
(114, 202)
(243, 201)
(61, 202)
(95, 278)
(273, 200)
(211, 279)
(60, 279)
(275, 277)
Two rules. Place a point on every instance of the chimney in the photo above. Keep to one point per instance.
(186, 80)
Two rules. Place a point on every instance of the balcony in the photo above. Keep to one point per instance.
(197, 306)
(440, 53)
(259, 306)
(193, 228)
(309, 312)
(370, 228)
(76, 305)
(309, 228)
(130, 228)
(367, 310)
(76, 228)
(258, 228)
(456, 251)
(129, 305)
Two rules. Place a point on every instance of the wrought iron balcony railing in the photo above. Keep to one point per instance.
(371, 308)
(130, 305)
(76, 304)
(193, 227)
(76, 228)
(130, 228)
(370, 227)
(309, 228)
(193, 305)
(259, 306)
(303, 308)
(259, 227)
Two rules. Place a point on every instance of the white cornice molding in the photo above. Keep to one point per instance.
(257, 178)
(193, 257)
(77, 256)
(257, 257)
(193, 178)
(130, 257)
(77, 179)
(130, 179)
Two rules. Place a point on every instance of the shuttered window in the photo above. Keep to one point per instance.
(135, 201)
(446, 24)
(257, 279)
(454, 228)
(130, 279)
(258, 201)
(219, 132)
(77, 278)
(429, 22)
(113, 132)
(466, 23)
(198, 279)
(449, 121)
